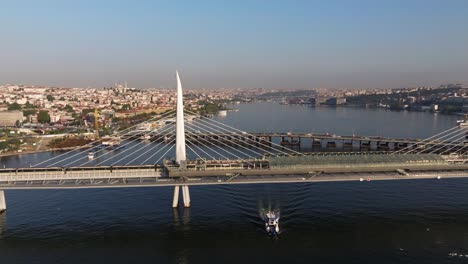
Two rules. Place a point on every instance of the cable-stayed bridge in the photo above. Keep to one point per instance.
(181, 148)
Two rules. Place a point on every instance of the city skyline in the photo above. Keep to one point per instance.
(272, 45)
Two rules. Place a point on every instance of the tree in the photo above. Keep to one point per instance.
(43, 116)
(29, 112)
(14, 106)
(68, 108)
(86, 111)
(18, 123)
(50, 98)
(4, 145)
(28, 105)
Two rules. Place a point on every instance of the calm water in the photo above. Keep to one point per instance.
(378, 222)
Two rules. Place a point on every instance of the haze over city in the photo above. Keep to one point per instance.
(240, 44)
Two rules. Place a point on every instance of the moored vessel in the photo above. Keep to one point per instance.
(462, 123)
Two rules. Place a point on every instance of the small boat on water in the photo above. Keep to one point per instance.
(112, 143)
(462, 123)
(90, 155)
(145, 137)
(272, 223)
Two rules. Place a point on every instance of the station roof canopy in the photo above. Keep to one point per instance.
(353, 159)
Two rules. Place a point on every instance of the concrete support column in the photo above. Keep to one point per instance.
(186, 195)
(2, 202)
(175, 200)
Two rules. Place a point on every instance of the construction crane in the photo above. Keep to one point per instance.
(96, 122)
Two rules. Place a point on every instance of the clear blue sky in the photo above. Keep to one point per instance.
(238, 44)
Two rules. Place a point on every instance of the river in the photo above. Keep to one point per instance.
(421, 221)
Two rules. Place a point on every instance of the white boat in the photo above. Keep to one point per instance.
(462, 123)
(272, 222)
(145, 137)
(144, 127)
(90, 155)
(111, 141)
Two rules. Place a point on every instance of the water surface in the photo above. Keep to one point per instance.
(351, 222)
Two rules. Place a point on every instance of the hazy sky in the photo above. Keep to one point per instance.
(235, 44)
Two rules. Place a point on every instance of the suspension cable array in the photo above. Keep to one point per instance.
(206, 139)
(453, 140)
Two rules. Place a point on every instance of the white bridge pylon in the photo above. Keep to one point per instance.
(181, 155)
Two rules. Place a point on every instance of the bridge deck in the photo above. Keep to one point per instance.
(330, 167)
(232, 179)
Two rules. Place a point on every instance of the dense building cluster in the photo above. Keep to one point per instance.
(450, 98)
(33, 105)
(67, 106)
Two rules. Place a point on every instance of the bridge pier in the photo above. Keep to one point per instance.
(2, 201)
(185, 196)
(175, 199)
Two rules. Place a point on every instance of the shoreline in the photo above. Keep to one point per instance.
(382, 108)
(36, 151)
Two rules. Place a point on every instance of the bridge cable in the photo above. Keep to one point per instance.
(440, 141)
(165, 127)
(462, 143)
(234, 143)
(164, 154)
(206, 153)
(447, 144)
(154, 154)
(248, 135)
(193, 151)
(198, 147)
(168, 130)
(152, 148)
(158, 145)
(414, 144)
(91, 144)
(219, 141)
(207, 145)
(101, 150)
(235, 150)
(237, 144)
(245, 135)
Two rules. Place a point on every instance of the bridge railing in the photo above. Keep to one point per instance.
(362, 165)
(53, 175)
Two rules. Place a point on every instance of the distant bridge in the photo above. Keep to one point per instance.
(289, 139)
